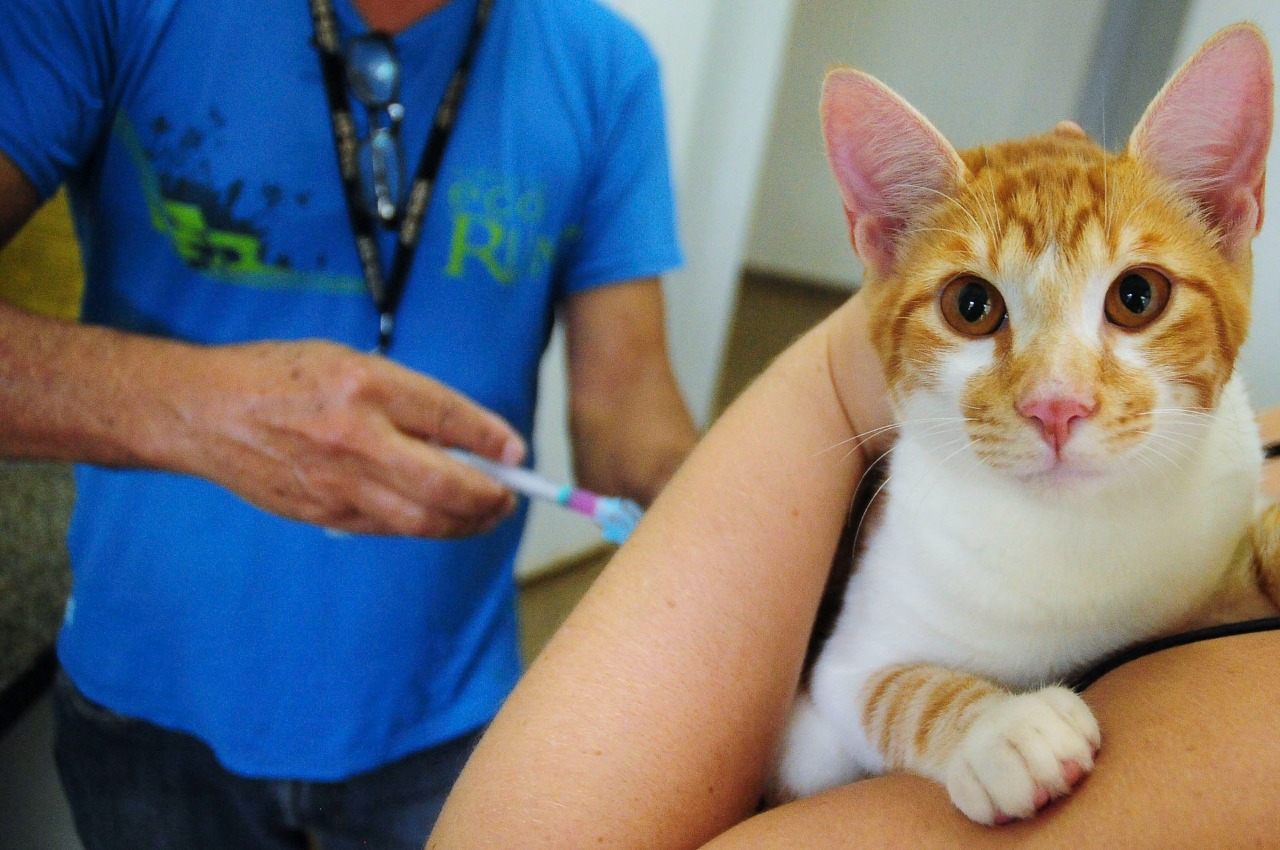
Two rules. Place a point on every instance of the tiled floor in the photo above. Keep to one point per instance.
(770, 314)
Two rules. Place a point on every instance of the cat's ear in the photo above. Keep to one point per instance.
(1208, 130)
(890, 162)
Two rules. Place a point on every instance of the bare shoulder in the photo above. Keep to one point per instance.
(1188, 760)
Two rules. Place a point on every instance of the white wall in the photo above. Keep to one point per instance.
(721, 61)
(1260, 360)
(981, 70)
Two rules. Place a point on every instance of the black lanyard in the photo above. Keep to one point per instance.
(386, 291)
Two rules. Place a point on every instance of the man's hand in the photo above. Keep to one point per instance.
(312, 431)
(324, 434)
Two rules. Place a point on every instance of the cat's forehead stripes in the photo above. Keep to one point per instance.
(1052, 221)
(1044, 193)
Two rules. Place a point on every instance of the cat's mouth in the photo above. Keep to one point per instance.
(1063, 467)
(1064, 473)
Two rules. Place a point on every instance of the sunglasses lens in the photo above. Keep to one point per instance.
(381, 173)
(373, 72)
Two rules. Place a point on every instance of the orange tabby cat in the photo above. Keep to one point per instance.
(1077, 464)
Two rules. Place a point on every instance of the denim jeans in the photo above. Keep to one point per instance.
(134, 785)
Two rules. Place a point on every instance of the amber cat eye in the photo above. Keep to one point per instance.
(1137, 297)
(973, 306)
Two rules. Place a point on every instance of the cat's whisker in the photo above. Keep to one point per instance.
(941, 424)
(917, 230)
(1134, 211)
(1178, 418)
(1208, 412)
(1169, 463)
(1188, 424)
(1189, 432)
(946, 197)
(942, 462)
(936, 427)
(862, 520)
(1184, 453)
(1151, 464)
(962, 439)
(1185, 446)
(993, 219)
(857, 439)
(860, 439)
(1106, 197)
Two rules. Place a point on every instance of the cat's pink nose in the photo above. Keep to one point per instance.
(1056, 415)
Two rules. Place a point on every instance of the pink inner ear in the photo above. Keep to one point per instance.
(1209, 129)
(888, 160)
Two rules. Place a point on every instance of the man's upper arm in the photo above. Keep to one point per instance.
(614, 332)
(58, 72)
(18, 199)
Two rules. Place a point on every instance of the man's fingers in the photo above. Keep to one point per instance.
(379, 509)
(448, 494)
(428, 409)
(354, 442)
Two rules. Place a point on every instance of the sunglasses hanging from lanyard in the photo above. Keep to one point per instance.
(372, 168)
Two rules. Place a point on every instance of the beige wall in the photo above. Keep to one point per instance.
(721, 61)
(981, 70)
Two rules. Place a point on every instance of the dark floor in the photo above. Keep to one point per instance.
(770, 314)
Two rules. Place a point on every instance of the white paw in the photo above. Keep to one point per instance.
(1021, 752)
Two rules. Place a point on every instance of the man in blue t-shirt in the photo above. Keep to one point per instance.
(292, 611)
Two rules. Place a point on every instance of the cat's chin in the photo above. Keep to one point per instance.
(1066, 476)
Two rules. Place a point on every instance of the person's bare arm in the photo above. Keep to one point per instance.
(311, 430)
(649, 719)
(629, 424)
(1188, 761)
(1269, 430)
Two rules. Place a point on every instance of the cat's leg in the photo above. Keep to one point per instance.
(1001, 755)
(812, 758)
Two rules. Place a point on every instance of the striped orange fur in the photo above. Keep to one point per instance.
(1065, 203)
(917, 713)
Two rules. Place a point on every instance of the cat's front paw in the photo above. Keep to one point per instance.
(1021, 752)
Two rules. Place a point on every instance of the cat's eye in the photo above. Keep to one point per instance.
(973, 306)
(1137, 297)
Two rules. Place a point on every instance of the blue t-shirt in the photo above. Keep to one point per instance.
(194, 138)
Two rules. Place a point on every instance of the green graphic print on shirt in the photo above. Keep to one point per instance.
(500, 226)
(496, 227)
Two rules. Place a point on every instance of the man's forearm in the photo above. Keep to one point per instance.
(310, 430)
(628, 421)
(632, 445)
(83, 393)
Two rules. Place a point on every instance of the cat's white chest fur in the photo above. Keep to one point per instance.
(970, 570)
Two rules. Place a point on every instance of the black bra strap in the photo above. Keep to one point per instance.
(1124, 656)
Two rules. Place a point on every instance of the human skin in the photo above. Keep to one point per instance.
(650, 719)
(318, 432)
